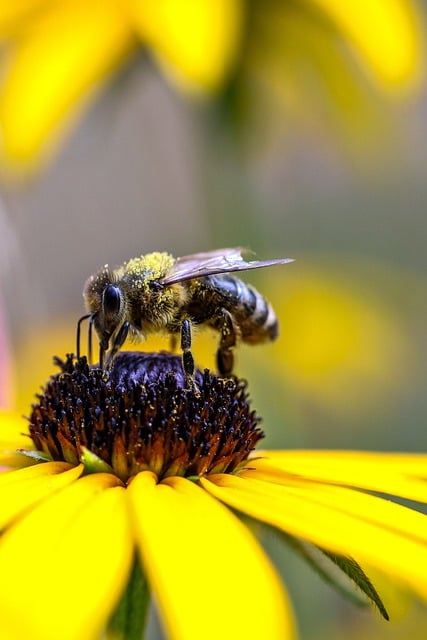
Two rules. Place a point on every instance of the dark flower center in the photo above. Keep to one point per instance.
(142, 415)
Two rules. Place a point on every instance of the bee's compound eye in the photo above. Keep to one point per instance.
(111, 299)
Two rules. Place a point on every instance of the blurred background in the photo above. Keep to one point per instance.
(297, 128)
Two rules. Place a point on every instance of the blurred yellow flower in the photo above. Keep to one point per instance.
(335, 66)
(56, 56)
(384, 35)
(341, 344)
(138, 460)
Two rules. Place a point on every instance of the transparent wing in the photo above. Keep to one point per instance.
(199, 265)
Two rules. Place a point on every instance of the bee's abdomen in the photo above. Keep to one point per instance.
(256, 316)
(253, 315)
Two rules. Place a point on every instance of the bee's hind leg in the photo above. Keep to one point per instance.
(225, 356)
(187, 356)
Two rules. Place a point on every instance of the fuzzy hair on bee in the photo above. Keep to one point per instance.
(158, 293)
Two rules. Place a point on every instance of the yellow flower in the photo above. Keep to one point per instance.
(341, 342)
(138, 460)
(56, 56)
(334, 66)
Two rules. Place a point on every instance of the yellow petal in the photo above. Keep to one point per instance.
(377, 532)
(23, 488)
(385, 32)
(68, 52)
(66, 563)
(410, 463)
(209, 575)
(9, 462)
(15, 14)
(195, 41)
(392, 473)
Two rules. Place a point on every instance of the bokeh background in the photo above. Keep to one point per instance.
(297, 128)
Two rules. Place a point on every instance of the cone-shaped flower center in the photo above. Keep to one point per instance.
(143, 415)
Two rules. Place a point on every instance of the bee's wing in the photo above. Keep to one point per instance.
(199, 265)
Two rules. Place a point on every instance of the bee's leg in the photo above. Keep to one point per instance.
(187, 356)
(224, 356)
(117, 344)
(89, 340)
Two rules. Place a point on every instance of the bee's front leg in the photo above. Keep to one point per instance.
(187, 356)
(117, 344)
(224, 356)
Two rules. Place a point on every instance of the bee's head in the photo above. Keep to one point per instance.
(105, 301)
(109, 317)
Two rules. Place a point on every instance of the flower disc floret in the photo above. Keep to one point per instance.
(144, 415)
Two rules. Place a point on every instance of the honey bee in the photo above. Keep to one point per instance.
(156, 292)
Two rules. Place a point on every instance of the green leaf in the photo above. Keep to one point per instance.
(93, 464)
(39, 456)
(347, 565)
(129, 620)
(354, 571)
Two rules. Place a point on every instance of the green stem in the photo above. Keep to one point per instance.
(130, 617)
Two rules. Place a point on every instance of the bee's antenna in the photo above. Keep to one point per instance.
(89, 339)
(101, 357)
(79, 322)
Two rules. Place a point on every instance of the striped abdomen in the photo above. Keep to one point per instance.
(253, 316)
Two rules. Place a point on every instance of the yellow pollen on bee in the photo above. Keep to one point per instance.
(151, 266)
